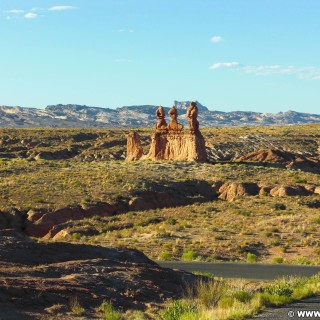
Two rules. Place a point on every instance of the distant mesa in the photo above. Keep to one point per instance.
(170, 142)
(81, 116)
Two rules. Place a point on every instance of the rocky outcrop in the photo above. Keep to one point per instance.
(134, 148)
(230, 191)
(177, 146)
(281, 191)
(269, 155)
(283, 159)
(42, 279)
(41, 224)
(44, 224)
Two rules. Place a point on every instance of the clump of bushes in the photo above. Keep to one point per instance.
(189, 255)
(251, 257)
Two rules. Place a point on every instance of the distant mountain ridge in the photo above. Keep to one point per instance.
(81, 116)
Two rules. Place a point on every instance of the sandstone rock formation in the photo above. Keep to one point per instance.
(169, 142)
(174, 125)
(40, 279)
(229, 191)
(192, 114)
(161, 123)
(134, 148)
(177, 146)
(281, 191)
(41, 224)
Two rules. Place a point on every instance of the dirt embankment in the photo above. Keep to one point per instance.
(40, 280)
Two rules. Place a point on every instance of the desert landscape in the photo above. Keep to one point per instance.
(96, 218)
(159, 160)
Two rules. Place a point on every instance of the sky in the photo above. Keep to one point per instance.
(249, 55)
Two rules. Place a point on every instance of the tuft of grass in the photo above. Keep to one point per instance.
(178, 309)
(109, 313)
(76, 307)
(230, 299)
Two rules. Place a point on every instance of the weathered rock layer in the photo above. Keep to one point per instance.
(168, 145)
(177, 146)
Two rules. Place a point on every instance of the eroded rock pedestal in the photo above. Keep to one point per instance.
(134, 149)
(169, 142)
(177, 146)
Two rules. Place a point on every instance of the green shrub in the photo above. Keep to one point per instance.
(242, 296)
(251, 257)
(189, 255)
(209, 293)
(226, 302)
(277, 260)
(270, 300)
(165, 256)
(76, 236)
(109, 313)
(302, 260)
(177, 309)
(280, 288)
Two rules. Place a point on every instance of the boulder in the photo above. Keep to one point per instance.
(281, 191)
(230, 191)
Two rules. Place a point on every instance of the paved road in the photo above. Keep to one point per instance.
(243, 270)
(292, 311)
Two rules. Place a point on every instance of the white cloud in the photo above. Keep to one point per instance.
(216, 39)
(220, 65)
(30, 15)
(61, 8)
(306, 73)
(16, 11)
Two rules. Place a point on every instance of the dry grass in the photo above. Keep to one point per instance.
(262, 225)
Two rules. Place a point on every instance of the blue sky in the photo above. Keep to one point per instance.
(255, 55)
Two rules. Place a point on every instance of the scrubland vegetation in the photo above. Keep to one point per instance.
(238, 299)
(45, 170)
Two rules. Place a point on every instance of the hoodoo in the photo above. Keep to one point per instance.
(169, 142)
